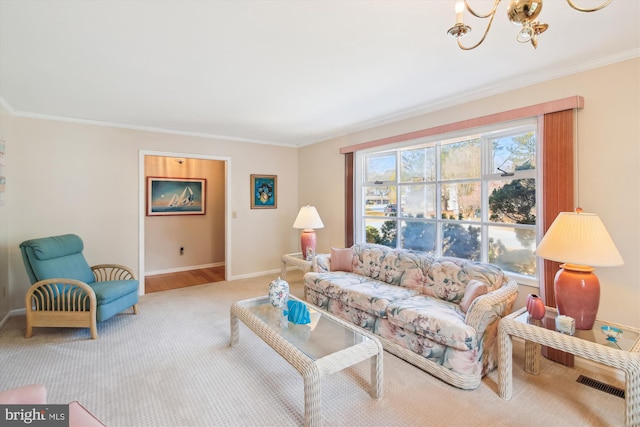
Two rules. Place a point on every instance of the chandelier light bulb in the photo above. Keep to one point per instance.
(526, 34)
(459, 11)
(519, 12)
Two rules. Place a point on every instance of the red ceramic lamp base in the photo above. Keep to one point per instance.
(307, 240)
(577, 292)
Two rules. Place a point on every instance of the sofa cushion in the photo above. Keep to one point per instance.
(447, 277)
(374, 296)
(413, 264)
(369, 259)
(341, 259)
(331, 283)
(474, 289)
(435, 319)
(389, 265)
(354, 290)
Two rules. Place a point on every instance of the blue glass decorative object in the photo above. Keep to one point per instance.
(298, 313)
(611, 332)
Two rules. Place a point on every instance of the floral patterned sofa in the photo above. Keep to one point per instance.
(440, 314)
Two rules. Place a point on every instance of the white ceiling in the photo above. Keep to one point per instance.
(281, 72)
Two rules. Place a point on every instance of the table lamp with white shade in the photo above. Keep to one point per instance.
(308, 219)
(581, 241)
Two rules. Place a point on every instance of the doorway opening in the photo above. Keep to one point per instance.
(189, 247)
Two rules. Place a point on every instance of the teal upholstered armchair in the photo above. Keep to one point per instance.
(66, 292)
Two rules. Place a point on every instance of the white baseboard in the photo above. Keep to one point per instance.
(187, 268)
(258, 274)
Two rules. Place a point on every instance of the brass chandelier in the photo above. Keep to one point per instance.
(520, 12)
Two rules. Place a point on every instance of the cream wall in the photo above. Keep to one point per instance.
(201, 236)
(65, 177)
(5, 127)
(84, 179)
(608, 177)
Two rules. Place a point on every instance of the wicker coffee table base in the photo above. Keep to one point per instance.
(534, 336)
(312, 370)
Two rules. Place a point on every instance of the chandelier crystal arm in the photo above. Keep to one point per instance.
(491, 13)
(580, 9)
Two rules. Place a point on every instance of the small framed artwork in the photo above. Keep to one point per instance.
(264, 191)
(176, 196)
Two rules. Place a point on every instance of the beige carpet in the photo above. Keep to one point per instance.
(172, 366)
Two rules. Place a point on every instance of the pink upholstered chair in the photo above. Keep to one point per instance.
(36, 394)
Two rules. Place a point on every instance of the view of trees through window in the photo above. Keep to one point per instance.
(471, 197)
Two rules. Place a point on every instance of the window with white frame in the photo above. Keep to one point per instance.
(470, 195)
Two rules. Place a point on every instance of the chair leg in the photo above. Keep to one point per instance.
(93, 327)
(135, 308)
(28, 308)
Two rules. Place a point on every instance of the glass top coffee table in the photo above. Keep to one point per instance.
(322, 347)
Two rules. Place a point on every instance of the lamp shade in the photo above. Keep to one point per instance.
(308, 218)
(579, 238)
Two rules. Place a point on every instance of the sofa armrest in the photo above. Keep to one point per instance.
(322, 263)
(492, 306)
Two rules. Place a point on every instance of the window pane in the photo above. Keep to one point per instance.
(461, 160)
(377, 198)
(418, 201)
(512, 249)
(514, 153)
(419, 236)
(382, 232)
(513, 201)
(461, 201)
(380, 167)
(446, 196)
(461, 240)
(418, 165)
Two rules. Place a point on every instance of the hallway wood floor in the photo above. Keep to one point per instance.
(182, 279)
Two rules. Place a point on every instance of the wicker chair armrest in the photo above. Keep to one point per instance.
(492, 306)
(60, 294)
(105, 272)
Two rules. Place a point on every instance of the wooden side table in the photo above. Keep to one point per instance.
(591, 344)
(296, 260)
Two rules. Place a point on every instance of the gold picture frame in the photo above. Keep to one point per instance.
(264, 191)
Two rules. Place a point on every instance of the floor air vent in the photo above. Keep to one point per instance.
(601, 386)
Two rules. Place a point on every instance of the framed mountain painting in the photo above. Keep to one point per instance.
(176, 196)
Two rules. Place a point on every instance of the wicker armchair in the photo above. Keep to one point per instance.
(66, 292)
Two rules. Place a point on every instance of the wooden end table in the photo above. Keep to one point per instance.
(592, 344)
